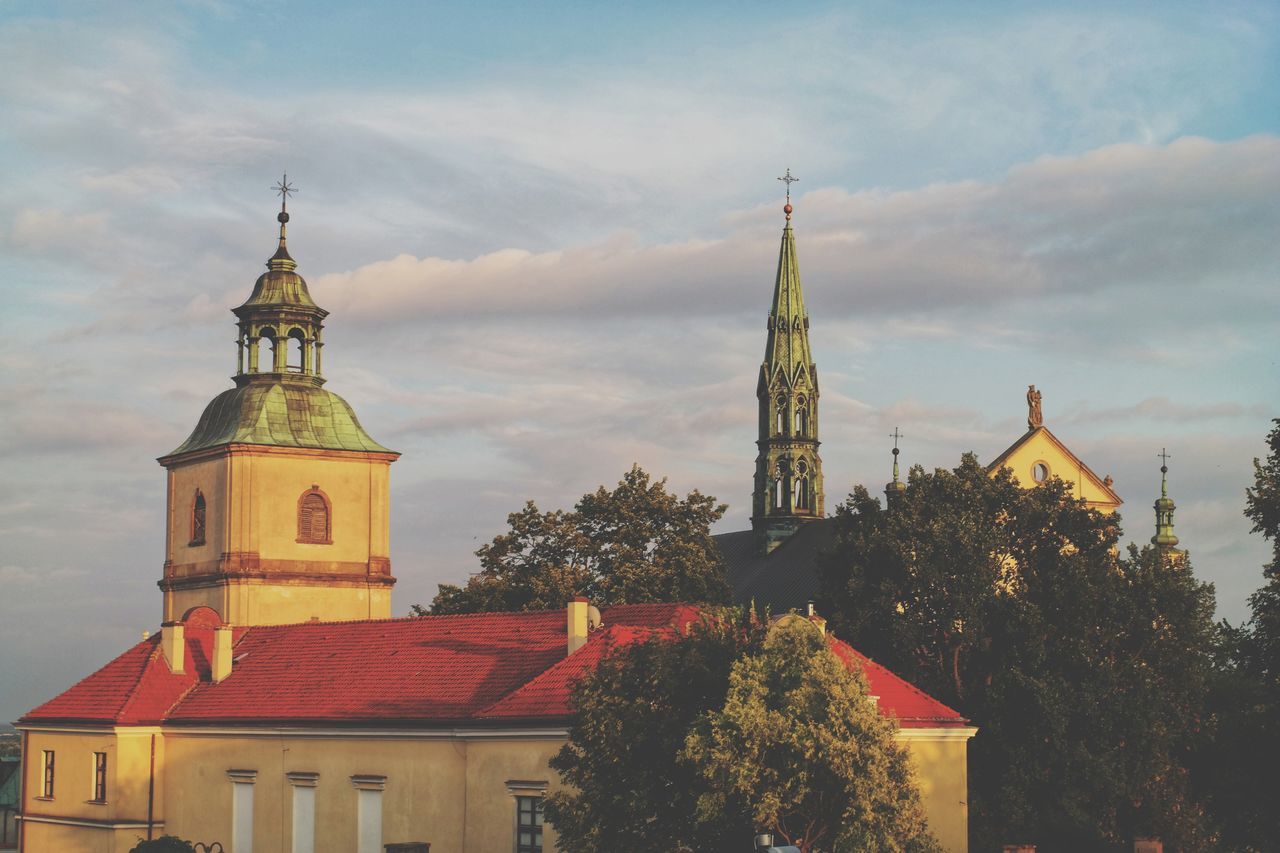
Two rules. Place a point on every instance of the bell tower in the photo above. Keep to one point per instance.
(788, 478)
(278, 502)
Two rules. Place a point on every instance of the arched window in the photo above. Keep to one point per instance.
(802, 417)
(197, 519)
(801, 492)
(780, 415)
(315, 526)
(777, 493)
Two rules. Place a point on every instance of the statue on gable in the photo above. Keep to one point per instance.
(1035, 417)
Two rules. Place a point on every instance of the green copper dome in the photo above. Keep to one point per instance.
(280, 414)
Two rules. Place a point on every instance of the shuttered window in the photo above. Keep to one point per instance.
(313, 518)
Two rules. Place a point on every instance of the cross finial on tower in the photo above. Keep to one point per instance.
(1164, 460)
(788, 179)
(284, 189)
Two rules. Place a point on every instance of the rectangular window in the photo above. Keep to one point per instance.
(99, 777)
(528, 824)
(48, 773)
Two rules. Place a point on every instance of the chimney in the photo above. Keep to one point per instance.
(221, 663)
(577, 616)
(173, 645)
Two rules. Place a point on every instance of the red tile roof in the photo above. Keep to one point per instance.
(483, 668)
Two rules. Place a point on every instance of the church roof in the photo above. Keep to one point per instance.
(474, 669)
(281, 413)
(1042, 433)
(786, 578)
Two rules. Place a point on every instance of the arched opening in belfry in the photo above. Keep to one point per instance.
(800, 488)
(802, 417)
(778, 486)
(295, 359)
(780, 415)
(265, 351)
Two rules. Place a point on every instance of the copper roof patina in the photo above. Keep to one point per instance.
(280, 414)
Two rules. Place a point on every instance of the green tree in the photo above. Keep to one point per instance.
(629, 790)
(638, 543)
(798, 740)
(1084, 671)
(1237, 767)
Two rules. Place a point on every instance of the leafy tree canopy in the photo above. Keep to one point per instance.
(1238, 764)
(666, 752)
(629, 789)
(638, 543)
(1084, 670)
(798, 740)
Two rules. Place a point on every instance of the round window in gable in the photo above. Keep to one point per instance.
(1040, 472)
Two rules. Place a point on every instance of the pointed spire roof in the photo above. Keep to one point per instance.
(787, 350)
(281, 286)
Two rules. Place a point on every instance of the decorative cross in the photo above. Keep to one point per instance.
(1164, 458)
(896, 435)
(284, 189)
(788, 180)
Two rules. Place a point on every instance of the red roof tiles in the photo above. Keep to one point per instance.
(477, 668)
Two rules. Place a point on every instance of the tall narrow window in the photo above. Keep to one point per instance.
(242, 809)
(802, 417)
(528, 824)
(314, 523)
(48, 774)
(99, 777)
(197, 519)
(781, 415)
(802, 493)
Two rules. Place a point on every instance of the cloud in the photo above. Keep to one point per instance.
(1060, 227)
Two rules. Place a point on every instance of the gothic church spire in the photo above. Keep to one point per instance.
(788, 479)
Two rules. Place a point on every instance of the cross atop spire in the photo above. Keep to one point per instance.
(896, 487)
(788, 179)
(284, 189)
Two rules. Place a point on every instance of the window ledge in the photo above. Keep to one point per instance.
(315, 541)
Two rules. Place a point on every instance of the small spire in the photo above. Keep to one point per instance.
(1165, 539)
(895, 488)
(788, 179)
(281, 259)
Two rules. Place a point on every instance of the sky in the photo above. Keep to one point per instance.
(547, 236)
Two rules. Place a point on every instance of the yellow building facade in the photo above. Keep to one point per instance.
(1039, 455)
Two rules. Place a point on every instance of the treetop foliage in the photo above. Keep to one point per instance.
(799, 742)
(1084, 669)
(637, 543)
(699, 741)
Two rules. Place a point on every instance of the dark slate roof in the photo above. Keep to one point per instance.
(784, 579)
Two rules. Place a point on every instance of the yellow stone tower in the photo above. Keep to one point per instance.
(278, 501)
